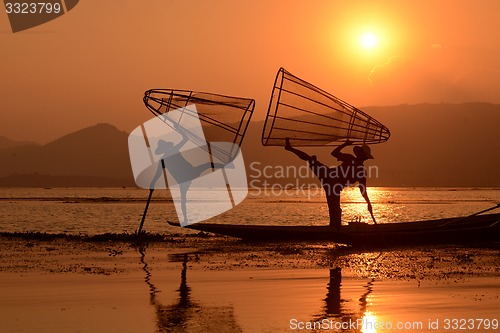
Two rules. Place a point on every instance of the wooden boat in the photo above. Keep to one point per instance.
(461, 230)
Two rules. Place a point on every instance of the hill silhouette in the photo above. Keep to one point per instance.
(7, 143)
(440, 145)
(93, 156)
(430, 145)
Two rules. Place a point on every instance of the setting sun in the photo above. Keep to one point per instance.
(368, 40)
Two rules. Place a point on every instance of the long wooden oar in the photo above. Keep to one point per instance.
(145, 211)
(472, 215)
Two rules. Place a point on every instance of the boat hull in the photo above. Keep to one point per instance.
(476, 229)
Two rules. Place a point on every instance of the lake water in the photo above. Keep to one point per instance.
(95, 211)
(443, 289)
(253, 301)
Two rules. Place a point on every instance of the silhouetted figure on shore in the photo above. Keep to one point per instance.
(334, 179)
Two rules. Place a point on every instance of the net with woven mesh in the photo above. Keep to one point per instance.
(223, 118)
(310, 116)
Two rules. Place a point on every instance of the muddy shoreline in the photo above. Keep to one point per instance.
(121, 253)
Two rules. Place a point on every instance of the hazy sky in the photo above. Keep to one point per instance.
(94, 63)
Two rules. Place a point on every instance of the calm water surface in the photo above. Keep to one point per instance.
(181, 299)
(95, 211)
(254, 301)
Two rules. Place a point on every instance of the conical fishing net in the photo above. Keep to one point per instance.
(310, 116)
(223, 118)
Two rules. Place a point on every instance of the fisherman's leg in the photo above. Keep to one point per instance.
(184, 187)
(300, 154)
(203, 167)
(198, 170)
(333, 200)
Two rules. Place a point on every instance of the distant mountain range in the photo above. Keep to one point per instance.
(94, 156)
(7, 143)
(439, 145)
(430, 145)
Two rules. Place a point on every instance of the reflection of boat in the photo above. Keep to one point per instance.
(471, 229)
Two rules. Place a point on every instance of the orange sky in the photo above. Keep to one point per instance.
(93, 64)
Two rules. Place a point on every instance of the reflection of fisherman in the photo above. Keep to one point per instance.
(334, 179)
(334, 303)
(181, 170)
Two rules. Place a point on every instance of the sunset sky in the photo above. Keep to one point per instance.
(93, 64)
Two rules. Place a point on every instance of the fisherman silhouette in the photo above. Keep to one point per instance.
(182, 171)
(334, 179)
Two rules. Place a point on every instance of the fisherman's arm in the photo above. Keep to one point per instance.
(337, 152)
(182, 132)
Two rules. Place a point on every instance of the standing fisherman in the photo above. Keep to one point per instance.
(333, 180)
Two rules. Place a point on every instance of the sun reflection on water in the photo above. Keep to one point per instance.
(369, 323)
(355, 209)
